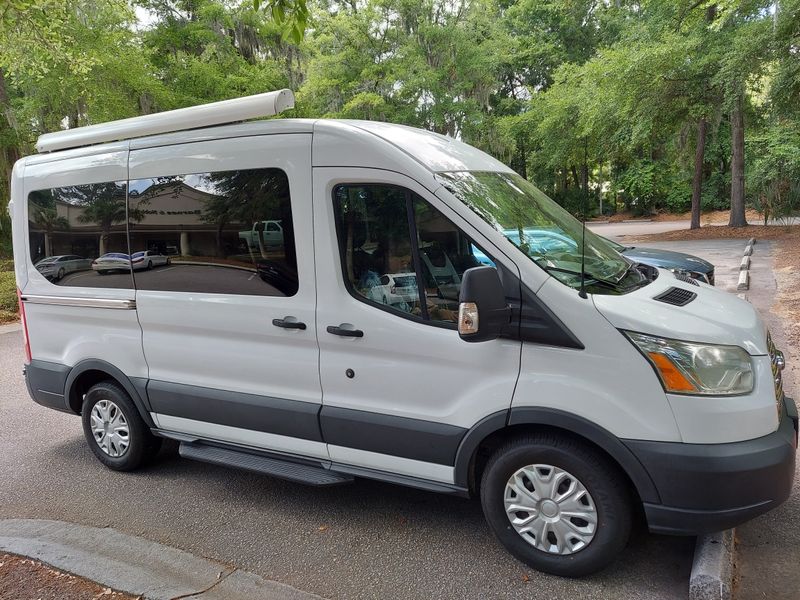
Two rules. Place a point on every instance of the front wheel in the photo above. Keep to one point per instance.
(115, 431)
(556, 504)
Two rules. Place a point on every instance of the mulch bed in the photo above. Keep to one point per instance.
(26, 579)
(711, 232)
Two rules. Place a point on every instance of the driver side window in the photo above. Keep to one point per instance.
(400, 253)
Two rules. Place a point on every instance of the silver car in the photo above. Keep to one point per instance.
(55, 267)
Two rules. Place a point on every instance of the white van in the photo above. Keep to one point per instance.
(569, 390)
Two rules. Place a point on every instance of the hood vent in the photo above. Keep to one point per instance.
(685, 278)
(676, 296)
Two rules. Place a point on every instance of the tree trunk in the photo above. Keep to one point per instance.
(738, 218)
(697, 180)
(585, 178)
(575, 176)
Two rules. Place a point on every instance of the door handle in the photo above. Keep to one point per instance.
(288, 323)
(339, 330)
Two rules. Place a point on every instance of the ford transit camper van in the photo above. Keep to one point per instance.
(304, 299)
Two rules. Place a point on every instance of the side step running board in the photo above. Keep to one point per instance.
(309, 474)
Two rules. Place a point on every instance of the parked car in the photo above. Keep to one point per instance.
(148, 259)
(55, 267)
(111, 262)
(569, 391)
(677, 262)
(394, 288)
(545, 242)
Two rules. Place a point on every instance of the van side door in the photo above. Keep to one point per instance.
(400, 387)
(228, 327)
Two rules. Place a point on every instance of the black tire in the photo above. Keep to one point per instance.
(60, 274)
(149, 264)
(604, 482)
(142, 446)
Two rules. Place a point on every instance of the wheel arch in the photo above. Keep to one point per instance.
(89, 372)
(503, 424)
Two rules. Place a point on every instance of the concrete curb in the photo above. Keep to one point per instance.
(712, 568)
(136, 565)
(10, 328)
(744, 268)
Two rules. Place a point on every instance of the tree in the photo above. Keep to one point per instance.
(103, 205)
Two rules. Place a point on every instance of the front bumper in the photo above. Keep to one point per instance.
(711, 487)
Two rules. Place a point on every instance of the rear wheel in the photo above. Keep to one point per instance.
(149, 264)
(115, 431)
(556, 504)
(60, 274)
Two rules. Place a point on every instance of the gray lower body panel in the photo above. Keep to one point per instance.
(45, 382)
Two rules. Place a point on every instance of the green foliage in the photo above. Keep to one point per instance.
(8, 292)
(291, 15)
(774, 174)
(583, 98)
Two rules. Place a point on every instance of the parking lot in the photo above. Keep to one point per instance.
(365, 540)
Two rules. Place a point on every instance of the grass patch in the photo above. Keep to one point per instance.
(8, 292)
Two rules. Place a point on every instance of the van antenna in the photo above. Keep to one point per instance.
(582, 292)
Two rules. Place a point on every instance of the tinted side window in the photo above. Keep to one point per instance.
(383, 262)
(77, 235)
(375, 243)
(209, 232)
(445, 253)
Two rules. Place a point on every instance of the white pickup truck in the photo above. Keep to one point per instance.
(271, 233)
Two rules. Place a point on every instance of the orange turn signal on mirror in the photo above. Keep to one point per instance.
(673, 379)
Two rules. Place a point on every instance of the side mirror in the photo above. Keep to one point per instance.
(482, 310)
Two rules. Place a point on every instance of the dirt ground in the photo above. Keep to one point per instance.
(26, 579)
(787, 275)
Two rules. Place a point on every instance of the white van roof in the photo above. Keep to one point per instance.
(346, 142)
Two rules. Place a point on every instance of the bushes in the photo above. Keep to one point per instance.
(8, 292)
(773, 180)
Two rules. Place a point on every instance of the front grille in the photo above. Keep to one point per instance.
(685, 278)
(777, 376)
(676, 296)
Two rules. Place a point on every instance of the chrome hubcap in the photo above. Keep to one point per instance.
(551, 509)
(110, 428)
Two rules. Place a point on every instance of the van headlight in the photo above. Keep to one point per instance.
(694, 368)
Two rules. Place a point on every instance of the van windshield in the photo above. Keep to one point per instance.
(535, 224)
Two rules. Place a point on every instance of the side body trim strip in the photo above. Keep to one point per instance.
(403, 437)
(119, 304)
(291, 418)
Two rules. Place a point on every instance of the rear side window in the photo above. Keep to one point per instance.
(73, 230)
(225, 232)
(401, 254)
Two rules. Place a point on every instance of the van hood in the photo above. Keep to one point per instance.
(713, 316)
